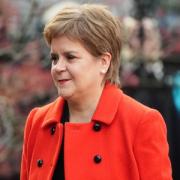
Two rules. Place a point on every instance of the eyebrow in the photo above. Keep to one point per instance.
(65, 52)
(52, 53)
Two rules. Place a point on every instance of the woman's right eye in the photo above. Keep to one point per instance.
(54, 58)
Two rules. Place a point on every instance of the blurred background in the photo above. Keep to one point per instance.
(150, 66)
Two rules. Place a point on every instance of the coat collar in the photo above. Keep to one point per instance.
(54, 112)
(105, 111)
(108, 104)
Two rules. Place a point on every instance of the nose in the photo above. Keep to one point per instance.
(60, 65)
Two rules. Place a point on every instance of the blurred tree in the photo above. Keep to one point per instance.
(24, 82)
(25, 28)
(145, 8)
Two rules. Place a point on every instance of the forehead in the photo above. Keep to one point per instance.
(65, 42)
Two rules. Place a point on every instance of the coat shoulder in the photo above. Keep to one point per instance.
(38, 115)
(133, 111)
(134, 105)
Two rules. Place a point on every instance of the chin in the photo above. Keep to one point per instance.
(64, 94)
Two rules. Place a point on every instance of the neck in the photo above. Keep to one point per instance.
(82, 110)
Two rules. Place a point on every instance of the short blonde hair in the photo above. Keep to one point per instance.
(95, 27)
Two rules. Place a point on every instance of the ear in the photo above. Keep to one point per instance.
(105, 62)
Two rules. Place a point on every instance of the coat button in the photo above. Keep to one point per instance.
(53, 129)
(39, 162)
(97, 159)
(97, 126)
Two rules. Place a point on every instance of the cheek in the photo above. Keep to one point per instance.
(52, 72)
(74, 71)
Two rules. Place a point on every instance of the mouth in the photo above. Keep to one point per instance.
(63, 81)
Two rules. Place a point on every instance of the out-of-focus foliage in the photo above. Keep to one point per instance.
(25, 80)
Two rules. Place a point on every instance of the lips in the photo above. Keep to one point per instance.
(63, 81)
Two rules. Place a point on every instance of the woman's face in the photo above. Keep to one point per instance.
(76, 73)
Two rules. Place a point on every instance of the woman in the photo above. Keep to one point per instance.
(92, 130)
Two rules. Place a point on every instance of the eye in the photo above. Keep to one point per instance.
(70, 56)
(54, 58)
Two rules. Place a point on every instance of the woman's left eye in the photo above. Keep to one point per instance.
(70, 57)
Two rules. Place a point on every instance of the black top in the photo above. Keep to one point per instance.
(59, 169)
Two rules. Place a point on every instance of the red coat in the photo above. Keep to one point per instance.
(124, 141)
